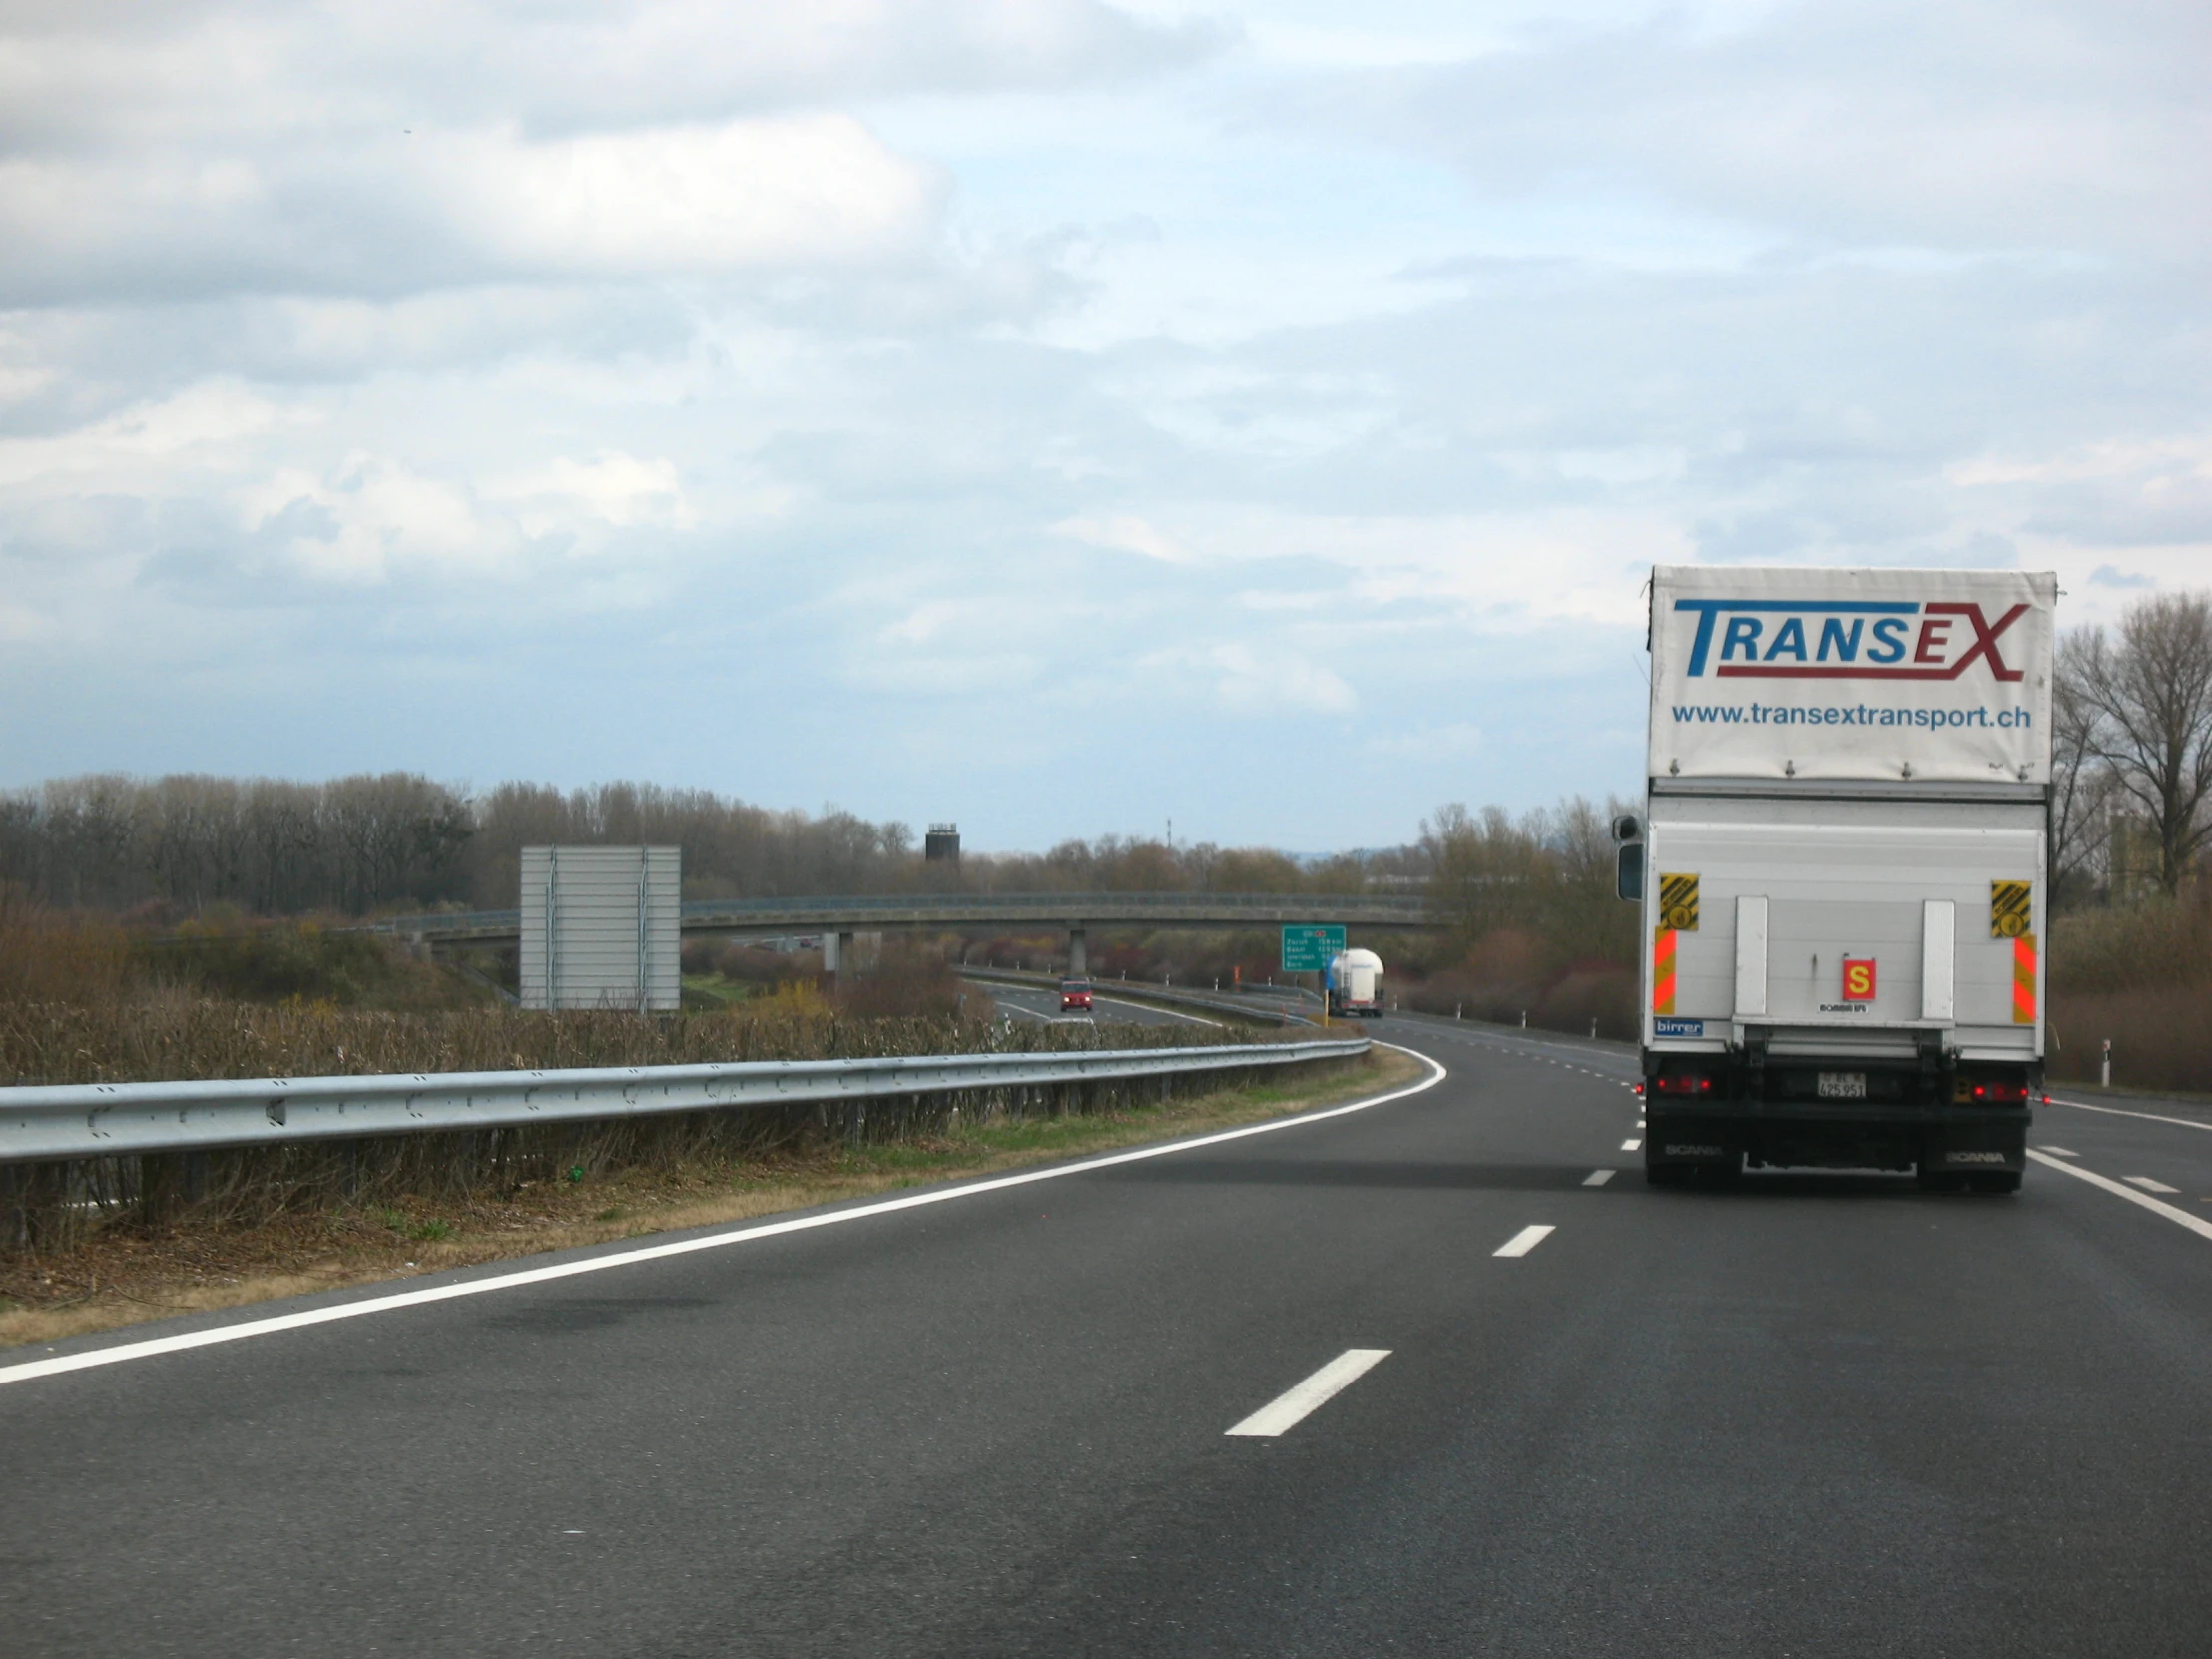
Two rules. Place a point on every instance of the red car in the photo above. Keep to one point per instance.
(1075, 994)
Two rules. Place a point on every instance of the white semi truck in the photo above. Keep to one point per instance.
(1842, 868)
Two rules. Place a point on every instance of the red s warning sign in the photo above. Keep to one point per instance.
(1858, 979)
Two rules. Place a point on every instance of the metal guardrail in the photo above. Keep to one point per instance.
(103, 1120)
(870, 912)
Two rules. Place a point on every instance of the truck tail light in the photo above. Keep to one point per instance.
(1684, 1082)
(1986, 1091)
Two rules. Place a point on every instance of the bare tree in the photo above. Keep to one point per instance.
(2081, 782)
(2147, 697)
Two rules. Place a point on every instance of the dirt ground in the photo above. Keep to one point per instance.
(124, 1273)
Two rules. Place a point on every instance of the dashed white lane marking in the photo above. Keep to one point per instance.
(1632, 1144)
(684, 1246)
(2195, 1223)
(2114, 1111)
(1047, 1019)
(2148, 1185)
(1286, 1410)
(2058, 1151)
(1598, 1177)
(1521, 1242)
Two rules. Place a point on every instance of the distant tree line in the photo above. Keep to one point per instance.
(1547, 876)
(170, 846)
(261, 844)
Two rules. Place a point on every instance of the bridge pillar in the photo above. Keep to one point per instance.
(836, 947)
(1079, 955)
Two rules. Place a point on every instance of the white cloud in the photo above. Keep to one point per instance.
(610, 487)
(794, 192)
(1124, 533)
(1970, 125)
(129, 449)
(1456, 742)
(372, 516)
(1247, 680)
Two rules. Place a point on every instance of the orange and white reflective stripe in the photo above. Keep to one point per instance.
(1662, 970)
(2023, 979)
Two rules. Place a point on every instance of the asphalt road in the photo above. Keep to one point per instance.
(1025, 1002)
(1815, 1416)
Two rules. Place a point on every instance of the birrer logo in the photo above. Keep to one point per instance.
(1845, 639)
(1858, 979)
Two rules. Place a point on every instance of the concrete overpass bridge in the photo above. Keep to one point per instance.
(838, 920)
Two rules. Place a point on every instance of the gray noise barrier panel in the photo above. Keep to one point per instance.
(102, 1120)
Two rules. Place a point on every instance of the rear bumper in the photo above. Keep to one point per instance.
(1922, 1114)
(1794, 1135)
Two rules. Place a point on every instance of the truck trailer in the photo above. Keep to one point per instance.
(1842, 865)
(1355, 985)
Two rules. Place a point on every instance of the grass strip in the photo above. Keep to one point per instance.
(121, 1275)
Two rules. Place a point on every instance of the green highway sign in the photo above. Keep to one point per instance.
(1311, 949)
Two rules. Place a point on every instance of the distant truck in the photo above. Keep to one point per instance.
(1355, 985)
(1843, 870)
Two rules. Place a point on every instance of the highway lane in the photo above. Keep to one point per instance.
(1037, 1004)
(1819, 1415)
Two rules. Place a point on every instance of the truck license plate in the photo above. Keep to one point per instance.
(1843, 1085)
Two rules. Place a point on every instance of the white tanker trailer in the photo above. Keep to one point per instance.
(1355, 985)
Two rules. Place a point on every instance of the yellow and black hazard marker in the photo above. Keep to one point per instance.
(1678, 903)
(2012, 908)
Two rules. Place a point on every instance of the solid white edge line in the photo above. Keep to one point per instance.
(1292, 1407)
(1528, 1239)
(2195, 1223)
(2114, 1111)
(145, 1348)
(2060, 1151)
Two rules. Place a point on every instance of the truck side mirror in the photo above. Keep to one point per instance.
(1628, 873)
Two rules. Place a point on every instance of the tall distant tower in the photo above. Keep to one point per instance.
(942, 846)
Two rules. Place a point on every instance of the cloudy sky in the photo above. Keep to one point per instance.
(1048, 414)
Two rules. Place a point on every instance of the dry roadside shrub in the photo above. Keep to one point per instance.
(2162, 1038)
(49, 958)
